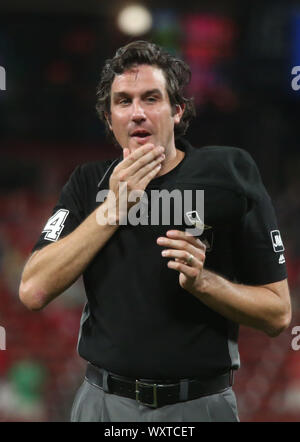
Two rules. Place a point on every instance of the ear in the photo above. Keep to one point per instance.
(108, 120)
(179, 109)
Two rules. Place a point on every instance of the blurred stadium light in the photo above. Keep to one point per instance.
(134, 20)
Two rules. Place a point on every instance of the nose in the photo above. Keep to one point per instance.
(138, 113)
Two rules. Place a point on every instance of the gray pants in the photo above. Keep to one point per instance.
(92, 404)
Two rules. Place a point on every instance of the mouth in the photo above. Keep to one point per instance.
(140, 135)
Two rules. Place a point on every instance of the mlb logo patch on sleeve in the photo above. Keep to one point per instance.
(277, 241)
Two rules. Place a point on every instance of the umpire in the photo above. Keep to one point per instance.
(159, 330)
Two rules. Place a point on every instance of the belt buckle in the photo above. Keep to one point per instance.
(154, 390)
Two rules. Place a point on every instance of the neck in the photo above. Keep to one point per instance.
(171, 161)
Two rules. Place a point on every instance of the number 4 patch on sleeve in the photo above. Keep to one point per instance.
(55, 225)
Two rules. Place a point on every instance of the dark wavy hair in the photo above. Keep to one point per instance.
(176, 71)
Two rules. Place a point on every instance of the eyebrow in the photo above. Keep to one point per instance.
(122, 94)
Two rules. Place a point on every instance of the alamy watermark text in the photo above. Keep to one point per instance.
(2, 79)
(2, 338)
(165, 205)
(296, 79)
(296, 339)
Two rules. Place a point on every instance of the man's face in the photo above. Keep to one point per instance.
(140, 109)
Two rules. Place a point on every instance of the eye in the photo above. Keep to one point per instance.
(151, 99)
(124, 101)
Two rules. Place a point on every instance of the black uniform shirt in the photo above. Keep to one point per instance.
(138, 321)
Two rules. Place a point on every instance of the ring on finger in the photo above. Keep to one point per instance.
(190, 260)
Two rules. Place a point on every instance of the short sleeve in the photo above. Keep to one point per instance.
(67, 214)
(259, 248)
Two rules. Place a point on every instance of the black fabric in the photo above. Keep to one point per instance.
(155, 393)
(138, 321)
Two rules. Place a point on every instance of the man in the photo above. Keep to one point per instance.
(160, 326)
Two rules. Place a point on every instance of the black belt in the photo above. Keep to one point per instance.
(155, 393)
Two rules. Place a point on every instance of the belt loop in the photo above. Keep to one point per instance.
(184, 390)
(104, 381)
(231, 377)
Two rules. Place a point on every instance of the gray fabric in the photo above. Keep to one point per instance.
(84, 317)
(92, 404)
(233, 331)
(184, 390)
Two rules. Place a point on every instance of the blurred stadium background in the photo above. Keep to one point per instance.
(241, 55)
